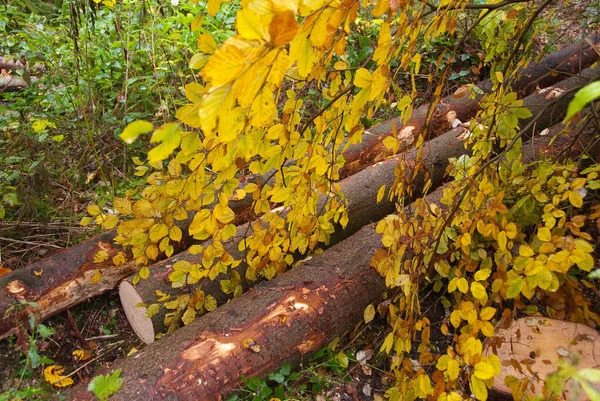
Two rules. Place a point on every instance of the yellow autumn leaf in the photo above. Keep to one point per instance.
(283, 28)
(82, 354)
(93, 210)
(135, 129)
(499, 76)
(363, 78)
(575, 199)
(188, 316)
(169, 136)
(100, 256)
(482, 275)
(502, 241)
(463, 285)
(281, 194)
(369, 313)
(144, 272)
(484, 371)
(123, 206)
(478, 290)
(487, 313)
(210, 303)
(213, 6)
(544, 234)
(119, 259)
(195, 249)
(206, 43)
(97, 277)
(479, 388)
(53, 374)
(380, 193)
(110, 221)
(251, 25)
(453, 369)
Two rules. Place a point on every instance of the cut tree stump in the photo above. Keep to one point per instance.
(277, 322)
(548, 71)
(528, 347)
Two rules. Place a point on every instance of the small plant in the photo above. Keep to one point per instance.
(103, 386)
(33, 359)
(327, 367)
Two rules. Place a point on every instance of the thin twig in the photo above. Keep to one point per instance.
(109, 349)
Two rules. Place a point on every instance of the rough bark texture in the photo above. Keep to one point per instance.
(286, 319)
(64, 280)
(10, 64)
(11, 84)
(551, 69)
(361, 191)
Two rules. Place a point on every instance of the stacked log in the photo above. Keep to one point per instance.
(361, 192)
(277, 322)
(64, 280)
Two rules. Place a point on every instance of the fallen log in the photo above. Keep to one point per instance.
(361, 192)
(11, 84)
(65, 280)
(10, 64)
(280, 321)
(549, 70)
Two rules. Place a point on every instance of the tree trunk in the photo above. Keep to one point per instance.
(280, 321)
(64, 280)
(361, 192)
(551, 69)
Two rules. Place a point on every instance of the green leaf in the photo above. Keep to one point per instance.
(135, 129)
(584, 96)
(105, 386)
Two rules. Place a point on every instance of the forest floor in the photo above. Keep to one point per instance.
(100, 325)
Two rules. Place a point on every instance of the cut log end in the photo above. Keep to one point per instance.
(136, 315)
(527, 347)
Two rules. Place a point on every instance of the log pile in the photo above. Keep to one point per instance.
(277, 322)
(361, 192)
(64, 280)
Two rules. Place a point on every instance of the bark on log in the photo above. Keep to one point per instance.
(11, 84)
(65, 279)
(10, 64)
(551, 69)
(361, 191)
(285, 320)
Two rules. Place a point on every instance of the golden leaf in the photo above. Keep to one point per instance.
(100, 256)
(54, 375)
(283, 28)
(97, 277)
(369, 313)
(82, 355)
(206, 43)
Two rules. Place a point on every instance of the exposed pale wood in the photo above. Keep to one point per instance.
(361, 191)
(286, 318)
(528, 346)
(72, 268)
